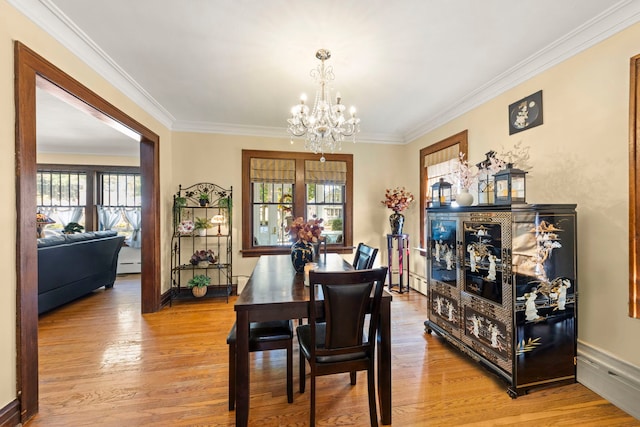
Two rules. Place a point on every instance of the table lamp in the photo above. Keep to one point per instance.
(218, 219)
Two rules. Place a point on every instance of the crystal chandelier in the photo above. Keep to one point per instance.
(325, 127)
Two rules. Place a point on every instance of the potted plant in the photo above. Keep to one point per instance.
(203, 258)
(203, 198)
(201, 225)
(198, 285)
(72, 228)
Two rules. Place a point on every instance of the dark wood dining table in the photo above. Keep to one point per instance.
(275, 292)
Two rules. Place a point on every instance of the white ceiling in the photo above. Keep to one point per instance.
(62, 128)
(408, 66)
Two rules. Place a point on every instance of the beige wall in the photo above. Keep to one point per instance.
(217, 159)
(579, 155)
(75, 159)
(14, 26)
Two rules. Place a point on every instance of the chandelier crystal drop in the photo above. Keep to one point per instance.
(325, 126)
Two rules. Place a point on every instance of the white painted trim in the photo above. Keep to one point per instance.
(612, 378)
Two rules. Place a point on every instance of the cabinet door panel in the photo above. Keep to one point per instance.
(442, 243)
(483, 260)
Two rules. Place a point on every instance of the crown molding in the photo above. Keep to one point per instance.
(613, 20)
(48, 17)
(270, 132)
(51, 19)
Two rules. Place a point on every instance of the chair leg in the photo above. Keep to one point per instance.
(302, 370)
(352, 374)
(290, 371)
(373, 409)
(312, 413)
(232, 376)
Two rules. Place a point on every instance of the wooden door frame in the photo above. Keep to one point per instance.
(461, 138)
(30, 68)
(634, 187)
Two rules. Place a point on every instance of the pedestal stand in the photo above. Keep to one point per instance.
(403, 251)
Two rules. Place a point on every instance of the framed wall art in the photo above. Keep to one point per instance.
(525, 113)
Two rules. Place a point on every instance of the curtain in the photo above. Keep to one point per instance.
(329, 172)
(108, 217)
(134, 217)
(273, 170)
(67, 215)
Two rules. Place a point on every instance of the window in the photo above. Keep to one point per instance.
(437, 161)
(61, 188)
(120, 204)
(120, 189)
(62, 196)
(67, 193)
(279, 186)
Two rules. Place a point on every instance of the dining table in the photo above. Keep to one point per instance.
(276, 292)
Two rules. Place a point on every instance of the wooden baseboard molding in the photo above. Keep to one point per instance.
(10, 414)
(165, 298)
(615, 380)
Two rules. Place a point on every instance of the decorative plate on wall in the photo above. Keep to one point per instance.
(525, 113)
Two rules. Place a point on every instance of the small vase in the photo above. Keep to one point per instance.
(202, 232)
(301, 253)
(397, 221)
(464, 198)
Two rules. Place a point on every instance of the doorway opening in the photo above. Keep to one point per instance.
(31, 68)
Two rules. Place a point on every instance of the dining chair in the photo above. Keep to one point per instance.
(263, 336)
(364, 257)
(340, 343)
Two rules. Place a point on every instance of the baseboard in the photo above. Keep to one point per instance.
(165, 298)
(615, 380)
(10, 414)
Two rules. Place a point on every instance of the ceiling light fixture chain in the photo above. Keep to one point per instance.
(324, 127)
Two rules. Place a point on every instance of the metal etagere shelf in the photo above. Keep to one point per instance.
(209, 205)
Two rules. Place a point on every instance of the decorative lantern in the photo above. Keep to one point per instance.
(485, 180)
(441, 194)
(510, 186)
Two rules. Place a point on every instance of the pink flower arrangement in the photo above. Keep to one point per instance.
(397, 199)
(309, 231)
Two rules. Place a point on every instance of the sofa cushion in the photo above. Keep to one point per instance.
(105, 233)
(51, 241)
(79, 237)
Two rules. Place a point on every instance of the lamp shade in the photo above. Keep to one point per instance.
(41, 221)
(219, 220)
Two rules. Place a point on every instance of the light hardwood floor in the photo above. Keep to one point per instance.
(104, 364)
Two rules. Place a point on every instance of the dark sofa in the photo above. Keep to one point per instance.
(73, 265)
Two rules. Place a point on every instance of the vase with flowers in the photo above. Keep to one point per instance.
(465, 176)
(398, 200)
(303, 234)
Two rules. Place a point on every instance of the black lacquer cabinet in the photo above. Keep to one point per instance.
(502, 288)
